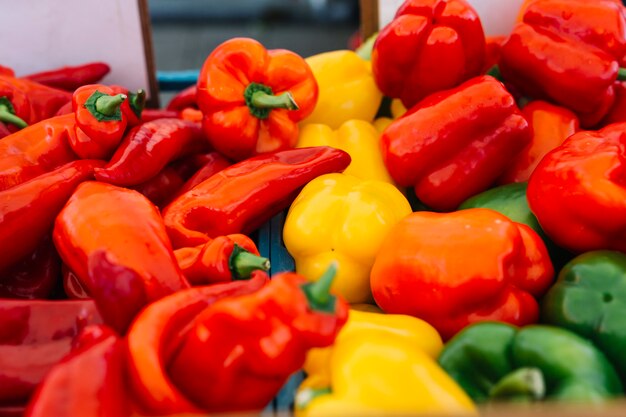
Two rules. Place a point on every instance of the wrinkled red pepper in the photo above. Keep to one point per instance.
(243, 196)
(71, 77)
(252, 98)
(148, 148)
(100, 122)
(456, 143)
(429, 46)
(33, 151)
(247, 358)
(223, 259)
(568, 52)
(28, 210)
(154, 334)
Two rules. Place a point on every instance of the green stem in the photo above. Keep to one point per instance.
(366, 48)
(521, 384)
(109, 105)
(137, 101)
(495, 73)
(263, 100)
(7, 117)
(621, 74)
(318, 292)
(243, 263)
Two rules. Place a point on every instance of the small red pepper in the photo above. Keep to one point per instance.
(247, 358)
(100, 122)
(578, 191)
(242, 197)
(568, 52)
(429, 46)
(33, 151)
(28, 210)
(455, 144)
(132, 107)
(70, 78)
(89, 382)
(223, 259)
(35, 276)
(550, 125)
(148, 148)
(124, 224)
(154, 334)
(184, 99)
(252, 98)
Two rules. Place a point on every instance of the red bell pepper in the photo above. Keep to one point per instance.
(70, 78)
(568, 52)
(35, 276)
(33, 151)
(456, 143)
(125, 225)
(252, 99)
(429, 46)
(247, 358)
(242, 197)
(100, 122)
(28, 210)
(550, 125)
(223, 259)
(148, 148)
(577, 191)
(30, 101)
(89, 382)
(155, 332)
(184, 99)
(454, 269)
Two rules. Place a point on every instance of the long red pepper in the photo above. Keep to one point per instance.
(71, 77)
(243, 196)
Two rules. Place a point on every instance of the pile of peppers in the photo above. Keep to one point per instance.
(455, 206)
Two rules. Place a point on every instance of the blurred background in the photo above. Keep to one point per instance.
(186, 31)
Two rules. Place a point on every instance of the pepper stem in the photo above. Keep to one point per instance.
(137, 101)
(366, 48)
(7, 114)
(495, 73)
(318, 292)
(108, 105)
(525, 384)
(304, 397)
(261, 100)
(621, 74)
(243, 263)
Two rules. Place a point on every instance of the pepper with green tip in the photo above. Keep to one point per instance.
(499, 362)
(589, 298)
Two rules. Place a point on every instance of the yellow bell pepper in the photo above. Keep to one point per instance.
(347, 89)
(397, 110)
(338, 217)
(357, 137)
(382, 376)
(417, 332)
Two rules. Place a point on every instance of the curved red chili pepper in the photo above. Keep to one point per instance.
(70, 78)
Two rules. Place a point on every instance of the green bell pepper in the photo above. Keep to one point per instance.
(510, 200)
(497, 361)
(589, 298)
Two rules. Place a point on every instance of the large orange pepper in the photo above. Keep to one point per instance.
(454, 269)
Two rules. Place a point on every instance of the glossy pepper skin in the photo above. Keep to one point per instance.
(88, 382)
(35, 150)
(243, 196)
(529, 364)
(28, 210)
(550, 125)
(184, 99)
(588, 299)
(378, 376)
(247, 357)
(253, 98)
(100, 122)
(577, 191)
(148, 148)
(374, 326)
(568, 52)
(347, 89)
(125, 227)
(326, 223)
(69, 78)
(429, 46)
(458, 268)
(357, 137)
(212, 163)
(154, 335)
(456, 143)
(223, 259)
